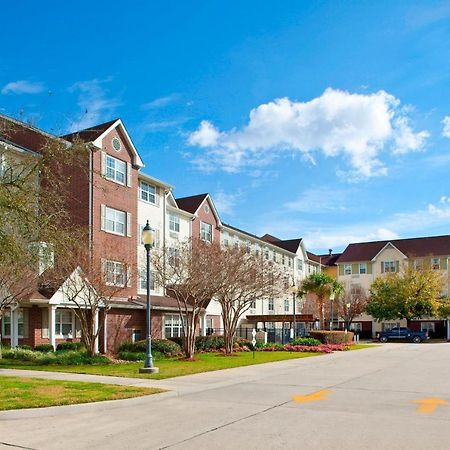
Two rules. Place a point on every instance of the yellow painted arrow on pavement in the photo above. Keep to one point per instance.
(429, 405)
(313, 397)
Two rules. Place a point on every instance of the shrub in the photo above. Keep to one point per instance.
(305, 341)
(244, 344)
(25, 347)
(209, 343)
(62, 358)
(45, 348)
(69, 346)
(131, 356)
(163, 346)
(332, 337)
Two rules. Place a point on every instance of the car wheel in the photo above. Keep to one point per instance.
(383, 339)
(417, 339)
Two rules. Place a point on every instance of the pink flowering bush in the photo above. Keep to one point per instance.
(322, 348)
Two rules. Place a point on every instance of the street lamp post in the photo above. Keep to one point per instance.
(294, 291)
(347, 315)
(331, 310)
(148, 240)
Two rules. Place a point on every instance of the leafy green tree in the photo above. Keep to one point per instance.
(411, 294)
(322, 286)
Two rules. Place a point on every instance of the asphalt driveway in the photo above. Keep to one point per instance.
(393, 396)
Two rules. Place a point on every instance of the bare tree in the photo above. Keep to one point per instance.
(190, 272)
(89, 285)
(351, 304)
(245, 279)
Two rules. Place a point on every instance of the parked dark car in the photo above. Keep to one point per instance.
(403, 334)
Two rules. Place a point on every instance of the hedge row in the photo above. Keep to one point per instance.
(332, 337)
(165, 347)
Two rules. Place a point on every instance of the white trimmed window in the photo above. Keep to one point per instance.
(148, 193)
(248, 247)
(362, 268)
(225, 243)
(64, 322)
(143, 280)
(115, 170)
(286, 305)
(271, 304)
(115, 273)
(389, 266)
(174, 223)
(266, 253)
(174, 256)
(6, 323)
(172, 326)
(347, 269)
(427, 326)
(435, 263)
(115, 221)
(299, 265)
(206, 232)
(253, 304)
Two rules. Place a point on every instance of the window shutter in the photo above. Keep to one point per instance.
(443, 263)
(44, 327)
(355, 269)
(382, 266)
(369, 268)
(104, 274)
(129, 224)
(397, 266)
(103, 217)
(157, 238)
(77, 327)
(25, 322)
(103, 163)
(341, 269)
(129, 174)
(157, 192)
(129, 276)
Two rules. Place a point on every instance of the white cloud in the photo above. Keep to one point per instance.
(446, 123)
(319, 200)
(95, 106)
(161, 102)
(225, 202)
(338, 123)
(22, 87)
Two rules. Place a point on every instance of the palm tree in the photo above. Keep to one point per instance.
(324, 287)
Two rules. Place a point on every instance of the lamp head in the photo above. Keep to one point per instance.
(148, 237)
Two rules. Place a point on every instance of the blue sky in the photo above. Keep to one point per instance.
(320, 119)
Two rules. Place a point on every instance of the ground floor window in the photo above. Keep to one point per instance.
(356, 326)
(387, 326)
(136, 335)
(427, 326)
(6, 323)
(64, 322)
(172, 326)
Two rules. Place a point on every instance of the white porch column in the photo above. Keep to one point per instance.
(203, 323)
(95, 331)
(52, 325)
(105, 333)
(14, 326)
(448, 329)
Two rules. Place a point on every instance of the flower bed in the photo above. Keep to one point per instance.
(322, 348)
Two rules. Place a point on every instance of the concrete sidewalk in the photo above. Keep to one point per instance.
(347, 400)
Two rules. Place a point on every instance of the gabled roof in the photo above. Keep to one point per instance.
(291, 245)
(329, 259)
(270, 238)
(96, 133)
(24, 135)
(412, 247)
(192, 203)
(90, 134)
(314, 257)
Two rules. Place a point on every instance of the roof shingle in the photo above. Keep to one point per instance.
(192, 203)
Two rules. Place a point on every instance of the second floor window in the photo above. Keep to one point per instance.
(115, 273)
(299, 265)
(271, 304)
(174, 223)
(147, 192)
(143, 280)
(116, 170)
(286, 305)
(389, 266)
(206, 232)
(363, 269)
(115, 221)
(347, 269)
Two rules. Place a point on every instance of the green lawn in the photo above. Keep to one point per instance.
(204, 362)
(17, 393)
(361, 346)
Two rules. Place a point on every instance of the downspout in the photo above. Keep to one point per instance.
(91, 170)
(164, 239)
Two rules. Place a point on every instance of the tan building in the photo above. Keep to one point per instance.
(361, 263)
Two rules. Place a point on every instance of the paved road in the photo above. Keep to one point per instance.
(352, 400)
